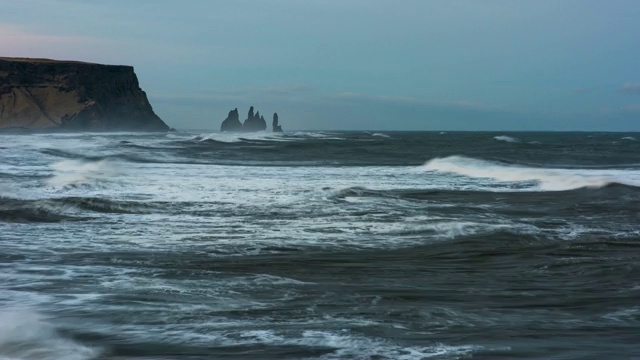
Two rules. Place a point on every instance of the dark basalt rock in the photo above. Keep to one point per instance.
(48, 94)
(254, 122)
(232, 122)
(276, 127)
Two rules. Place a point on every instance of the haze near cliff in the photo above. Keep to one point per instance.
(515, 65)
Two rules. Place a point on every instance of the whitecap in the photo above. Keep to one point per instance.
(228, 137)
(545, 179)
(381, 135)
(506, 138)
(69, 173)
(27, 335)
(629, 138)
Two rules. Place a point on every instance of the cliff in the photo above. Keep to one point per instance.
(50, 94)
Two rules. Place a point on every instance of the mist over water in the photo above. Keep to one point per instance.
(319, 245)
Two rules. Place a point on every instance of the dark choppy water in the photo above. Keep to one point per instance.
(320, 245)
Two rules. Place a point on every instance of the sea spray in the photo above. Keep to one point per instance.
(71, 173)
(27, 335)
(506, 138)
(546, 179)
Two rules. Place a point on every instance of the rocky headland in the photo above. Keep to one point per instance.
(253, 122)
(43, 94)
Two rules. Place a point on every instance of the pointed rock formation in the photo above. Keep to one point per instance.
(254, 122)
(232, 122)
(276, 127)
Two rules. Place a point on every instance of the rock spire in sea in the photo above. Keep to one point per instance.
(276, 127)
(232, 122)
(253, 122)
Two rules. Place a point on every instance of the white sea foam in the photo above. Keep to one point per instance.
(27, 335)
(68, 173)
(319, 134)
(348, 346)
(239, 137)
(381, 135)
(506, 138)
(545, 179)
(629, 138)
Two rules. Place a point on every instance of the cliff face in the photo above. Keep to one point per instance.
(49, 94)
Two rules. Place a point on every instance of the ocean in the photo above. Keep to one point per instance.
(320, 245)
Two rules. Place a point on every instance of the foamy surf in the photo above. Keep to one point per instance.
(506, 138)
(217, 250)
(70, 173)
(27, 335)
(381, 135)
(545, 179)
(240, 137)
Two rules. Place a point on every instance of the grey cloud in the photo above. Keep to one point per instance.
(630, 88)
(583, 90)
(289, 89)
(350, 96)
(633, 108)
(408, 100)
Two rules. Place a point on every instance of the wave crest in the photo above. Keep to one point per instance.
(225, 137)
(506, 138)
(72, 173)
(546, 179)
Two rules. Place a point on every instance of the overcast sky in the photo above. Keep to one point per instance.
(357, 64)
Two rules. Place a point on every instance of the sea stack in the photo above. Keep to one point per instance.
(72, 95)
(232, 122)
(276, 127)
(254, 122)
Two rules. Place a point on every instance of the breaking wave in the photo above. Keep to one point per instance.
(239, 137)
(506, 138)
(381, 135)
(545, 179)
(26, 335)
(72, 173)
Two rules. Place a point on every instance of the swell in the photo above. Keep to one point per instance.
(617, 200)
(31, 211)
(610, 191)
(123, 157)
(106, 206)
(70, 208)
(524, 163)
